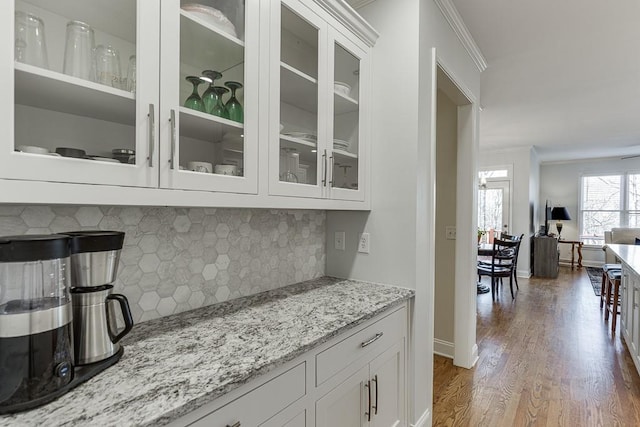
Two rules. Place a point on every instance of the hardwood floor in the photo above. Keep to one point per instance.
(546, 359)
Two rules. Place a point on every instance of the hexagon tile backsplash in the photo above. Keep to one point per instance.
(178, 259)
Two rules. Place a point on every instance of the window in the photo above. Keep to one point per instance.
(609, 201)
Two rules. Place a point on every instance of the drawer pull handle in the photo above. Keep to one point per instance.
(172, 159)
(236, 424)
(372, 340)
(368, 413)
(375, 408)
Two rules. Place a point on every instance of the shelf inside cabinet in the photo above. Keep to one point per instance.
(341, 153)
(206, 127)
(298, 89)
(204, 46)
(344, 104)
(298, 141)
(50, 90)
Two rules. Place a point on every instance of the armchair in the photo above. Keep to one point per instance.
(624, 236)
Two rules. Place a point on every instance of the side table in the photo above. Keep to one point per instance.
(573, 244)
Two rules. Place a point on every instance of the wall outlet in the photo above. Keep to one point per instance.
(450, 232)
(363, 243)
(338, 240)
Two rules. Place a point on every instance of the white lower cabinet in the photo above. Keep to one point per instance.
(357, 379)
(630, 312)
(373, 396)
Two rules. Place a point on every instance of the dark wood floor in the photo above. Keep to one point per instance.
(546, 359)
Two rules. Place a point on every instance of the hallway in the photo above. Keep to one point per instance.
(546, 359)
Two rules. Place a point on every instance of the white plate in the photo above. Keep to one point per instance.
(342, 88)
(211, 16)
(341, 144)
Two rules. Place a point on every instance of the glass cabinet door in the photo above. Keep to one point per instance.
(347, 151)
(298, 161)
(209, 90)
(80, 91)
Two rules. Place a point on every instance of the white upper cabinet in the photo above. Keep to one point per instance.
(209, 91)
(240, 102)
(67, 109)
(318, 122)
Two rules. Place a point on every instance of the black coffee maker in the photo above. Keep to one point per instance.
(36, 336)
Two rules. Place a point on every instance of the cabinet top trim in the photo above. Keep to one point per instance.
(347, 16)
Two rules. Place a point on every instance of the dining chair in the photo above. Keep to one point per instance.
(502, 264)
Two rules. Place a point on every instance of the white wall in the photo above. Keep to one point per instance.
(446, 182)
(560, 184)
(401, 221)
(524, 194)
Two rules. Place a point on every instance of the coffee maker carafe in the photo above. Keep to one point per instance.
(94, 264)
(36, 342)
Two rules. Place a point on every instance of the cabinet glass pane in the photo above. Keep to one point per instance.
(298, 99)
(75, 79)
(212, 78)
(346, 115)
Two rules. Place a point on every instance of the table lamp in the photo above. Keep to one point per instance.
(560, 214)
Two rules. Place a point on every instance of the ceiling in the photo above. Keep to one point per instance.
(563, 76)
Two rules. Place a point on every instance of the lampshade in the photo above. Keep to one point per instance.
(560, 213)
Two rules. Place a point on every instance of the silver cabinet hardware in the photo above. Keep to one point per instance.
(372, 340)
(152, 132)
(172, 119)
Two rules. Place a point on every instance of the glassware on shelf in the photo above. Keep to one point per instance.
(131, 74)
(345, 182)
(234, 108)
(219, 109)
(194, 101)
(210, 96)
(289, 161)
(78, 51)
(108, 70)
(30, 44)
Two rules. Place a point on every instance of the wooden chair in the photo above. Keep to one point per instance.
(612, 294)
(502, 264)
(605, 281)
(515, 264)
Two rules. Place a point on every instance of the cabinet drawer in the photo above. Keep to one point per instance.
(261, 403)
(371, 340)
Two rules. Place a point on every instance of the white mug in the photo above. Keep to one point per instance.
(226, 170)
(203, 167)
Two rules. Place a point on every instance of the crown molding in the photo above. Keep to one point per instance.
(457, 24)
(351, 19)
(357, 4)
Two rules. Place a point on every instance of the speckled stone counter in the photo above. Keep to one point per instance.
(176, 364)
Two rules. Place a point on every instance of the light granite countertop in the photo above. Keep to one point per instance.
(173, 365)
(629, 254)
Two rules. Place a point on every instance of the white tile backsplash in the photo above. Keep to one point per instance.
(178, 259)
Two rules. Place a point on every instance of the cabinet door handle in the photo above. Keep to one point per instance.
(172, 119)
(371, 340)
(324, 170)
(368, 413)
(152, 133)
(332, 170)
(236, 424)
(375, 407)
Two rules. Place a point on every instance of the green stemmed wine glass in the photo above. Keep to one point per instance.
(210, 97)
(233, 106)
(194, 101)
(219, 109)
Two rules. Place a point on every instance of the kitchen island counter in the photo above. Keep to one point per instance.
(174, 365)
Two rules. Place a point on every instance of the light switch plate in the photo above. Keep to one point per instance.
(450, 232)
(363, 243)
(339, 240)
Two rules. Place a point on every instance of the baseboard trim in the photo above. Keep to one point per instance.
(443, 348)
(524, 274)
(424, 420)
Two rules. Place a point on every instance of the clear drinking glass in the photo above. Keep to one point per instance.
(30, 44)
(108, 70)
(131, 74)
(78, 51)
